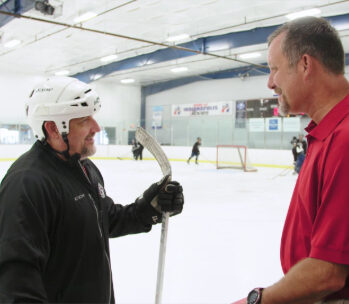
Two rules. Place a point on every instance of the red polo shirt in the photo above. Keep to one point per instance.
(317, 223)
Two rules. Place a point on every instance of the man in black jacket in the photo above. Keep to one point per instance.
(55, 215)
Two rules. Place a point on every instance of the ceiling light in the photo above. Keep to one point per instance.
(309, 12)
(96, 76)
(148, 61)
(177, 37)
(85, 17)
(109, 58)
(62, 73)
(250, 55)
(209, 2)
(179, 69)
(12, 43)
(127, 80)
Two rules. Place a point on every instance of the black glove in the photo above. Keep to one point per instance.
(163, 196)
(170, 199)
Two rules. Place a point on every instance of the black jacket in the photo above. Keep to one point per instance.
(195, 149)
(54, 229)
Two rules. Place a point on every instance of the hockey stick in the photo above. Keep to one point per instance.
(155, 149)
(284, 172)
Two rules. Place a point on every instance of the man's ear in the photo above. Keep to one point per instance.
(51, 129)
(306, 65)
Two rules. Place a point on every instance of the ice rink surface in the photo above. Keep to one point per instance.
(225, 242)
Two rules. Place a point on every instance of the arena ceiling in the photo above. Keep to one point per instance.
(136, 35)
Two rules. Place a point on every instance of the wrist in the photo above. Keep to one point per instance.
(147, 213)
(255, 296)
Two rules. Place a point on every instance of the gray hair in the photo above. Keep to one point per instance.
(315, 37)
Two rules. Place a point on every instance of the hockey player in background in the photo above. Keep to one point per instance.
(134, 148)
(137, 150)
(55, 215)
(302, 142)
(300, 157)
(306, 60)
(299, 151)
(293, 142)
(195, 151)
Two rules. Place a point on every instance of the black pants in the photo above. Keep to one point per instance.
(192, 155)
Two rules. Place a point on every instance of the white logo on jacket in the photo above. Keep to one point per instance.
(101, 191)
(79, 197)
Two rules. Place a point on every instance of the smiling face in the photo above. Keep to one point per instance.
(286, 81)
(81, 136)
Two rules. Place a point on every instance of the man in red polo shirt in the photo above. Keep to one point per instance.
(306, 61)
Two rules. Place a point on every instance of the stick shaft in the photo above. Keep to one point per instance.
(155, 149)
(162, 254)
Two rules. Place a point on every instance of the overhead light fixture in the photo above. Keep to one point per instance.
(12, 43)
(62, 73)
(209, 2)
(96, 76)
(179, 70)
(309, 12)
(109, 58)
(127, 80)
(250, 55)
(177, 37)
(84, 17)
(148, 61)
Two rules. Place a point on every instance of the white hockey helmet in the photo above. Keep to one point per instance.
(60, 99)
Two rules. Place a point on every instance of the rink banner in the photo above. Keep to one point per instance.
(273, 124)
(256, 124)
(291, 124)
(214, 108)
(240, 114)
(157, 117)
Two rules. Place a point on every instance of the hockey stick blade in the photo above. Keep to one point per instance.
(155, 149)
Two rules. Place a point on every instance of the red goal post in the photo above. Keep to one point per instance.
(233, 156)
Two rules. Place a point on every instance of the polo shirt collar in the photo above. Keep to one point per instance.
(330, 121)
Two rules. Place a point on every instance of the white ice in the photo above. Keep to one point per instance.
(225, 242)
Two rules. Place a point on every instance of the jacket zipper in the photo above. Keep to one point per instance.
(100, 230)
(105, 253)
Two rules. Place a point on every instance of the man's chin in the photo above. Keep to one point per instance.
(284, 108)
(283, 112)
(87, 152)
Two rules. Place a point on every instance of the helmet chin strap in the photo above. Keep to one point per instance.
(65, 153)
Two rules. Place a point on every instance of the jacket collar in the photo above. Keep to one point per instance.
(330, 121)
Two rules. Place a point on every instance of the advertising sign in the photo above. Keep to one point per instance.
(256, 124)
(273, 124)
(214, 108)
(157, 117)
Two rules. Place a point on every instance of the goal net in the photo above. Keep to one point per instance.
(233, 156)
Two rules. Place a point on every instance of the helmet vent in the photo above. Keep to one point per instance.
(84, 104)
(89, 90)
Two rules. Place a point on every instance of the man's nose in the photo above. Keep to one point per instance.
(95, 126)
(271, 84)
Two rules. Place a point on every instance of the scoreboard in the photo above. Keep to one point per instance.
(260, 108)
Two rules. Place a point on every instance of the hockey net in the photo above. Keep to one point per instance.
(233, 156)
